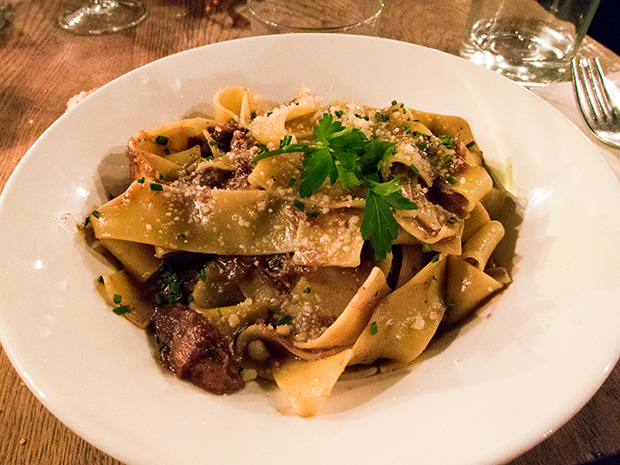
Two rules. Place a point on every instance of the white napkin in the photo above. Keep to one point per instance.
(561, 96)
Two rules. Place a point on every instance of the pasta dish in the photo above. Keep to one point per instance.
(300, 243)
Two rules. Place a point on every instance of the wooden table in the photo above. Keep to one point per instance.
(42, 66)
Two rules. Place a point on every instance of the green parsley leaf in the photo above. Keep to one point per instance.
(346, 155)
(319, 165)
(378, 225)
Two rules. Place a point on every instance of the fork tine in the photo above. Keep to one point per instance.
(592, 89)
(602, 90)
(582, 93)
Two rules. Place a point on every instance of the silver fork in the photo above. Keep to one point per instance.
(598, 99)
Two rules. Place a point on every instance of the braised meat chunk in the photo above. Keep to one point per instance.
(195, 350)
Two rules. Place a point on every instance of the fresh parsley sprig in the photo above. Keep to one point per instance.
(346, 155)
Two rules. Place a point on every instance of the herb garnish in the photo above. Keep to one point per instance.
(346, 155)
(122, 309)
(286, 319)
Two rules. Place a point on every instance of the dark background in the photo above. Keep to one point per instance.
(605, 27)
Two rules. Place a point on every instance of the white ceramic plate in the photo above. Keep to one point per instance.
(483, 394)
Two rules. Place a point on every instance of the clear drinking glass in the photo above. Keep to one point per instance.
(530, 41)
(284, 16)
(97, 17)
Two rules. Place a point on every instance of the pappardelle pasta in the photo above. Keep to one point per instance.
(300, 242)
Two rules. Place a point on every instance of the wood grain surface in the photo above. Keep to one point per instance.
(42, 67)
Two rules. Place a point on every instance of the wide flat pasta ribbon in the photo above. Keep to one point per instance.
(308, 384)
(404, 322)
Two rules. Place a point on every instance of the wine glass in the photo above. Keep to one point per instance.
(102, 16)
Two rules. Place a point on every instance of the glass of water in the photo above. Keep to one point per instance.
(529, 41)
(287, 16)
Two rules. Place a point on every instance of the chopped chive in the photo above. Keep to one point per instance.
(426, 247)
(394, 102)
(339, 113)
(253, 115)
(96, 214)
(471, 144)
(190, 299)
(414, 170)
(286, 319)
(292, 182)
(270, 113)
(162, 140)
(435, 258)
(407, 130)
(449, 301)
(382, 116)
(219, 312)
(209, 158)
(100, 279)
(446, 140)
(156, 187)
(307, 290)
(122, 309)
(299, 205)
(203, 274)
(312, 214)
(286, 140)
(117, 299)
(166, 151)
(451, 180)
(212, 142)
(421, 144)
(141, 180)
(181, 237)
(161, 177)
(373, 328)
(447, 160)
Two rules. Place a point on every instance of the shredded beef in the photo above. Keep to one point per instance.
(195, 350)
(442, 195)
(279, 268)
